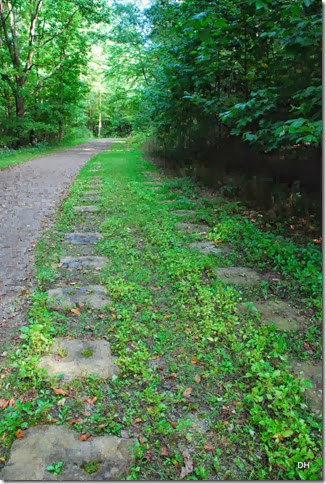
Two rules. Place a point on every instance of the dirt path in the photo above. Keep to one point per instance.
(29, 194)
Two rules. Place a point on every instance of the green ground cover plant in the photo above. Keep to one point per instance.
(207, 392)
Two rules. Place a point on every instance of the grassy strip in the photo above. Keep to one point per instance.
(197, 379)
(14, 157)
(299, 266)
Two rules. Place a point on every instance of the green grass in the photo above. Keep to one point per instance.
(14, 157)
(196, 377)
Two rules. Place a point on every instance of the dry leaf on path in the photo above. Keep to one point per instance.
(19, 434)
(85, 437)
(59, 391)
(75, 311)
(187, 392)
(208, 447)
(73, 421)
(197, 378)
(164, 452)
(3, 403)
(188, 466)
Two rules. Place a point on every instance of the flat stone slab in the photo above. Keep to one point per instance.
(207, 247)
(44, 445)
(90, 199)
(91, 192)
(314, 373)
(182, 213)
(280, 313)
(83, 261)
(193, 228)
(87, 208)
(75, 358)
(238, 275)
(83, 238)
(71, 296)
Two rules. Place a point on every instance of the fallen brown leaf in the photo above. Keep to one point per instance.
(19, 434)
(91, 401)
(85, 437)
(75, 311)
(59, 391)
(137, 420)
(208, 447)
(75, 420)
(164, 452)
(187, 392)
(174, 424)
(172, 375)
(197, 378)
(188, 466)
(4, 403)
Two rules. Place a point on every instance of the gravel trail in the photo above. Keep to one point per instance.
(29, 195)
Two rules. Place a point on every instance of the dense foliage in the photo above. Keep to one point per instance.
(191, 72)
(214, 69)
(43, 52)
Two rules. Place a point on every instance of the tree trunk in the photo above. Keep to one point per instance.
(20, 106)
(99, 118)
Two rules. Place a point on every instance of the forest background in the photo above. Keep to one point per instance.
(229, 91)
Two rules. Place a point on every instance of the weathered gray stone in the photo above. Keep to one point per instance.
(75, 358)
(313, 372)
(182, 213)
(47, 444)
(72, 296)
(91, 192)
(152, 174)
(280, 313)
(238, 275)
(207, 247)
(83, 261)
(90, 199)
(193, 228)
(87, 208)
(83, 238)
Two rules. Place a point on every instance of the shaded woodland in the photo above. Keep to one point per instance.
(221, 89)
